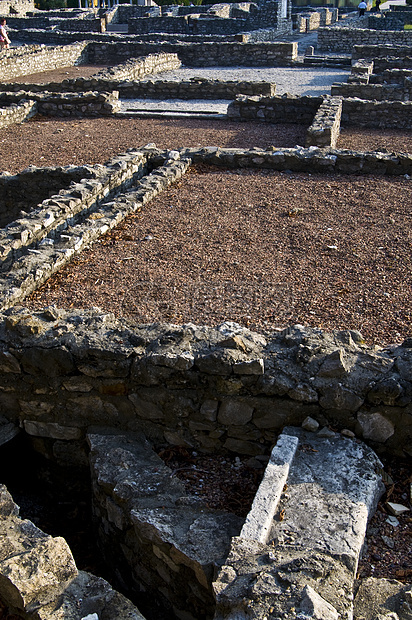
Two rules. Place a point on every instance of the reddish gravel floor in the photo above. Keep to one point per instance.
(389, 140)
(57, 75)
(265, 249)
(59, 142)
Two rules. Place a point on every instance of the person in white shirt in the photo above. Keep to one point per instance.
(362, 6)
(4, 38)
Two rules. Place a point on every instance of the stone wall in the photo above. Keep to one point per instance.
(391, 76)
(325, 128)
(278, 109)
(184, 89)
(200, 54)
(137, 68)
(355, 112)
(38, 244)
(36, 58)
(85, 25)
(227, 389)
(168, 543)
(382, 64)
(222, 389)
(376, 92)
(186, 25)
(343, 39)
(388, 114)
(17, 112)
(392, 53)
(195, 89)
(24, 191)
(389, 22)
(107, 79)
(68, 104)
(39, 578)
(100, 47)
(40, 228)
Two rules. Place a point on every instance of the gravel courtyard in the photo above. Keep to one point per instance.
(265, 249)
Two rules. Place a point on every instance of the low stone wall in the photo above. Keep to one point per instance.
(37, 245)
(343, 39)
(168, 543)
(201, 54)
(114, 46)
(373, 92)
(53, 215)
(24, 191)
(389, 22)
(68, 104)
(17, 112)
(186, 24)
(194, 88)
(361, 71)
(383, 64)
(137, 68)
(388, 114)
(227, 389)
(222, 389)
(325, 128)
(278, 109)
(382, 52)
(392, 76)
(355, 112)
(35, 58)
(38, 573)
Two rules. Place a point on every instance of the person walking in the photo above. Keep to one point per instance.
(362, 6)
(4, 38)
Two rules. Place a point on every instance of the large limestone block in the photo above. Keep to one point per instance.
(307, 563)
(89, 596)
(34, 567)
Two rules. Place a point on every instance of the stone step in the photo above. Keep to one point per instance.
(132, 113)
(299, 548)
(328, 61)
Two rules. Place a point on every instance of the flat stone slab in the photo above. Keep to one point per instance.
(307, 564)
(333, 489)
(259, 520)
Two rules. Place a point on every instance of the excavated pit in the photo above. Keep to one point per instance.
(58, 500)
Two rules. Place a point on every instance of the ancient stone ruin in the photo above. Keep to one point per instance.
(96, 397)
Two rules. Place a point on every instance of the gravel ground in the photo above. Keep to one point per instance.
(57, 75)
(391, 140)
(313, 81)
(59, 142)
(186, 258)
